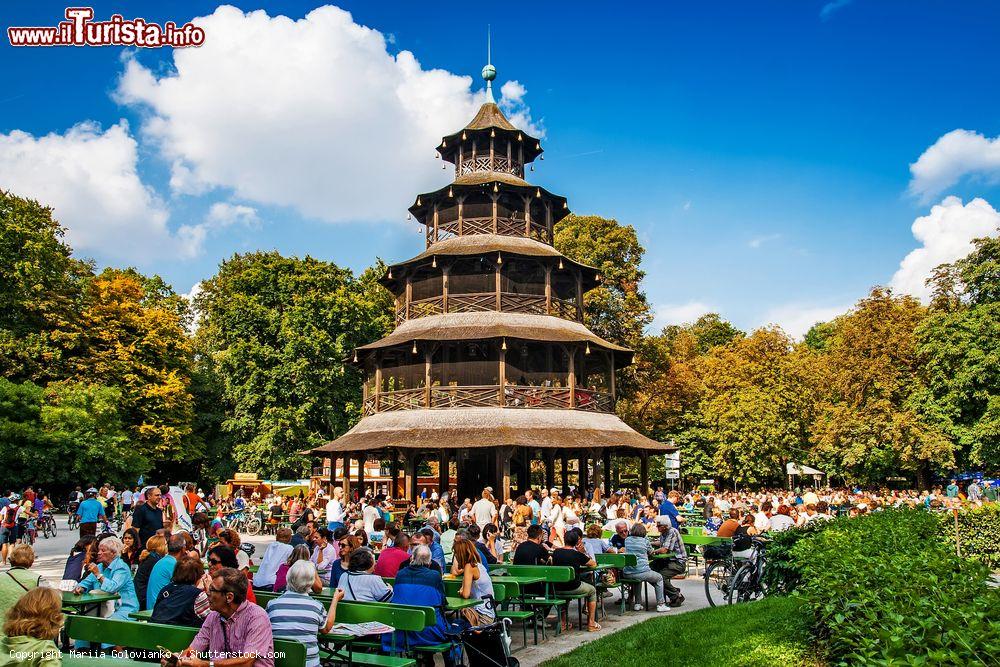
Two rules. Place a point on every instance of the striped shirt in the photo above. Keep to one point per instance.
(298, 617)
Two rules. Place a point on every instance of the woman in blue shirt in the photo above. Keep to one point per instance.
(111, 575)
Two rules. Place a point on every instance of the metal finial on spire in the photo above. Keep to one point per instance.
(489, 72)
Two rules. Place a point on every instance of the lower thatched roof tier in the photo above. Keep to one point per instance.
(490, 427)
(491, 324)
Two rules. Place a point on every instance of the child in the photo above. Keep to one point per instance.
(31, 627)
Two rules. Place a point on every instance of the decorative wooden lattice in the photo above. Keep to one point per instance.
(594, 401)
(536, 397)
(471, 303)
(522, 303)
(425, 307)
(487, 301)
(465, 397)
(482, 163)
(401, 399)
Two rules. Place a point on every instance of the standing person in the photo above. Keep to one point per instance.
(574, 555)
(556, 519)
(536, 509)
(126, 501)
(370, 513)
(147, 517)
(335, 510)
(974, 492)
(521, 519)
(668, 508)
(484, 511)
(90, 512)
(191, 500)
(952, 490)
(8, 526)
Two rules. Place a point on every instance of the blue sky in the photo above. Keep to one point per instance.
(762, 149)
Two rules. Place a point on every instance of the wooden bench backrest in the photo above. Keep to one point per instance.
(616, 560)
(150, 636)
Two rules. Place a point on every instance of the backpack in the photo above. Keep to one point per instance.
(9, 520)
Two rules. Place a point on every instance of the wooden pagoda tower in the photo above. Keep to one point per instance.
(490, 365)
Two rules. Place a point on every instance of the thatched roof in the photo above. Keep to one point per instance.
(491, 324)
(481, 182)
(460, 428)
(482, 244)
(480, 177)
(489, 116)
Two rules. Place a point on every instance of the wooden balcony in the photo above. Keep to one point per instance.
(510, 302)
(502, 225)
(489, 396)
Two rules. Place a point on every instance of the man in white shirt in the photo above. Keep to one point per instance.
(546, 506)
(761, 520)
(335, 509)
(484, 511)
(276, 553)
(127, 499)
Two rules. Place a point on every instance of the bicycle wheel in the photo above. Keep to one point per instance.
(45, 530)
(52, 526)
(718, 577)
(253, 526)
(746, 586)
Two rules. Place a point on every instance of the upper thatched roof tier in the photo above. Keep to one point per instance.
(490, 324)
(462, 428)
(483, 244)
(489, 123)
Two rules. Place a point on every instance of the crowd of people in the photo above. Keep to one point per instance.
(205, 577)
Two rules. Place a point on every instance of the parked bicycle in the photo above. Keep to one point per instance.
(747, 583)
(245, 521)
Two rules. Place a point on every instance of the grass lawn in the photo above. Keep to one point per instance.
(769, 633)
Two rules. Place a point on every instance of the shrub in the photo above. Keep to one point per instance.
(783, 573)
(978, 533)
(885, 589)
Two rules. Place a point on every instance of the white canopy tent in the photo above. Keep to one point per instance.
(800, 470)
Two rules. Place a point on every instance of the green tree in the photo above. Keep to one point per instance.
(617, 310)
(870, 423)
(278, 330)
(758, 404)
(40, 293)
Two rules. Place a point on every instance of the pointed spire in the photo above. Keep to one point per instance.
(489, 72)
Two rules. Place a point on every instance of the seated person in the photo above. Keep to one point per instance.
(110, 574)
(419, 584)
(300, 552)
(82, 554)
(297, 616)
(19, 578)
(236, 632)
(594, 543)
(30, 629)
(475, 535)
(475, 583)
(621, 533)
(574, 555)
(391, 558)
(360, 584)
(276, 553)
(156, 548)
(220, 557)
(181, 602)
(638, 545)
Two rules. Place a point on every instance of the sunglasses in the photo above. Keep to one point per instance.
(214, 561)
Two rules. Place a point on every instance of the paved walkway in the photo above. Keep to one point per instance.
(693, 589)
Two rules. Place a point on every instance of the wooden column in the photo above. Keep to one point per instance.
(503, 467)
(548, 290)
(494, 214)
(527, 216)
(550, 468)
(445, 273)
(410, 475)
(503, 375)
(499, 265)
(427, 375)
(409, 294)
(548, 222)
(579, 295)
(584, 471)
(643, 472)
(572, 375)
(443, 476)
(614, 395)
(492, 155)
(606, 457)
(346, 480)
(362, 459)
(524, 477)
(394, 473)
(435, 222)
(461, 215)
(378, 379)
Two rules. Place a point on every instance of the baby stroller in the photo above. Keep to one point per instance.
(487, 645)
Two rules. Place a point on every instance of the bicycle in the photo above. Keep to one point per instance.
(74, 519)
(718, 576)
(244, 521)
(748, 583)
(47, 524)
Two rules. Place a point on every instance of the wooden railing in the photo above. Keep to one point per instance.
(488, 396)
(506, 226)
(482, 163)
(510, 302)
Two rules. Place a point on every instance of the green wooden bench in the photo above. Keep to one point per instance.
(617, 561)
(540, 605)
(402, 617)
(150, 636)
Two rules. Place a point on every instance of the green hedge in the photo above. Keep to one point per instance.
(885, 589)
(783, 573)
(978, 533)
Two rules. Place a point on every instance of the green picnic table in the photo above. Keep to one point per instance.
(83, 604)
(458, 604)
(143, 615)
(705, 540)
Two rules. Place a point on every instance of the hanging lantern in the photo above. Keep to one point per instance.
(496, 188)
(414, 347)
(450, 194)
(444, 144)
(409, 217)
(538, 145)
(434, 262)
(499, 259)
(560, 264)
(493, 133)
(355, 356)
(504, 345)
(587, 350)
(565, 205)
(463, 135)
(444, 166)
(519, 137)
(390, 274)
(418, 201)
(538, 193)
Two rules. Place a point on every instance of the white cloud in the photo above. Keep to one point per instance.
(222, 214)
(831, 7)
(313, 113)
(945, 234)
(796, 319)
(190, 296)
(680, 313)
(955, 155)
(89, 178)
(761, 240)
